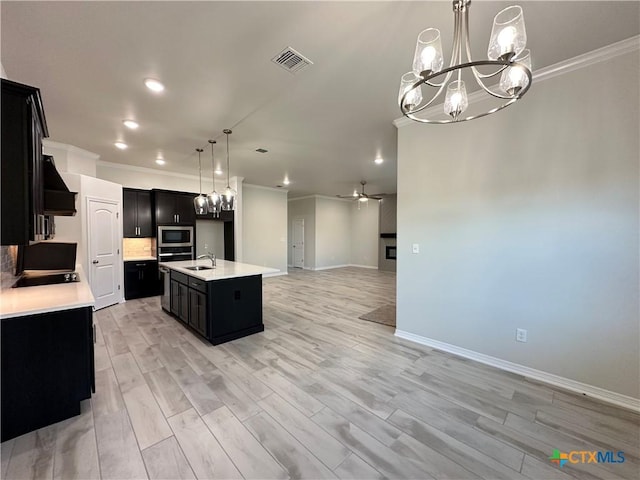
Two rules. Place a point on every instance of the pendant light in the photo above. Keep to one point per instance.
(507, 58)
(229, 194)
(200, 202)
(213, 199)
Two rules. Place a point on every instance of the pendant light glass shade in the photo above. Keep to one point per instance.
(508, 35)
(456, 100)
(228, 199)
(200, 202)
(213, 199)
(515, 78)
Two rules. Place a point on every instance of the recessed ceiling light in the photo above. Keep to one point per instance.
(379, 160)
(286, 181)
(218, 171)
(120, 145)
(132, 124)
(160, 161)
(153, 85)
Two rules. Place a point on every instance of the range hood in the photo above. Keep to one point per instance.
(58, 200)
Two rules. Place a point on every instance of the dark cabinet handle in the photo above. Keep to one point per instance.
(95, 261)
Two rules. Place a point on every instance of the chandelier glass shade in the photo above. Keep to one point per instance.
(228, 198)
(200, 202)
(505, 75)
(213, 199)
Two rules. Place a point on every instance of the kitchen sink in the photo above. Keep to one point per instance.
(199, 267)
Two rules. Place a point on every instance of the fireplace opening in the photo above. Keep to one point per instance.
(390, 252)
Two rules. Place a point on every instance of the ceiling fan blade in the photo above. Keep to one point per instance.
(347, 196)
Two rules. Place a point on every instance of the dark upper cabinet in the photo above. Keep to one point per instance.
(174, 208)
(136, 219)
(23, 127)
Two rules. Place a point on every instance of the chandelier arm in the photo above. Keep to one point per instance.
(472, 117)
(448, 71)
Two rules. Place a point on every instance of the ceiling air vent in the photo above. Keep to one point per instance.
(291, 60)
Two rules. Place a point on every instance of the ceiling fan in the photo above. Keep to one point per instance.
(362, 196)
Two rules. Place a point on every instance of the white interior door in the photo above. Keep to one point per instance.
(104, 252)
(298, 242)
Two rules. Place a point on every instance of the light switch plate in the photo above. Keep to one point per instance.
(415, 248)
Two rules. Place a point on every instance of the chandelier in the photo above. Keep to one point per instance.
(229, 194)
(213, 199)
(200, 202)
(507, 57)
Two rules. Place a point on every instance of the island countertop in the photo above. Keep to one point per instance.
(224, 269)
(17, 302)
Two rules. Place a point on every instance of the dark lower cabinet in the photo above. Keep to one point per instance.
(219, 310)
(47, 368)
(141, 279)
(198, 311)
(180, 300)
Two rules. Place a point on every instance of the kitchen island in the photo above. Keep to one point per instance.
(221, 303)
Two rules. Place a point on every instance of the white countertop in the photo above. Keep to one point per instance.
(224, 269)
(139, 258)
(18, 302)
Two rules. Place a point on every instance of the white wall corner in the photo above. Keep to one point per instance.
(602, 394)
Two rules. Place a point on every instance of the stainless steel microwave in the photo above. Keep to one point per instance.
(175, 236)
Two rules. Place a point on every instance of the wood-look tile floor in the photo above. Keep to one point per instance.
(318, 394)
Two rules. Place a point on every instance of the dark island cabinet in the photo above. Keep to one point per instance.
(141, 279)
(47, 368)
(174, 208)
(136, 218)
(219, 310)
(23, 127)
(179, 298)
(198, 311)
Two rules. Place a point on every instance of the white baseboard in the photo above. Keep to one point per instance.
(275, 274)
(330, 267)
(346, 265)
(608, 396)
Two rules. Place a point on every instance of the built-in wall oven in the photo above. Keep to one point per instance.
(175, 243)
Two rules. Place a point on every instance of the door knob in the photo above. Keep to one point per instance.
(94, 262)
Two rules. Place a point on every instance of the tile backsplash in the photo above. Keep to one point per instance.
(138, 247)
(8, 254)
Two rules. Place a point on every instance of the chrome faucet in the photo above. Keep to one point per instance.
(210, 256)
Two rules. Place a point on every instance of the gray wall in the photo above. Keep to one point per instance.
(333, 232)
(265, 226)
(304, 208)
(364, 234)
(529, 218)
(210, 238)
(388, 220)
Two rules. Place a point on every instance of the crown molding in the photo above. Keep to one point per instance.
(326, 197)
(153, 171)
(262, 187)
(561, 68)
(133, 168)
(69, 148)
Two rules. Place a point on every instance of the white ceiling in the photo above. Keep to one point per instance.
(322, 127)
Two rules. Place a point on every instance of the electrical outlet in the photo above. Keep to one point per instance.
(415, 248)
(521, 335)
(206, 246)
